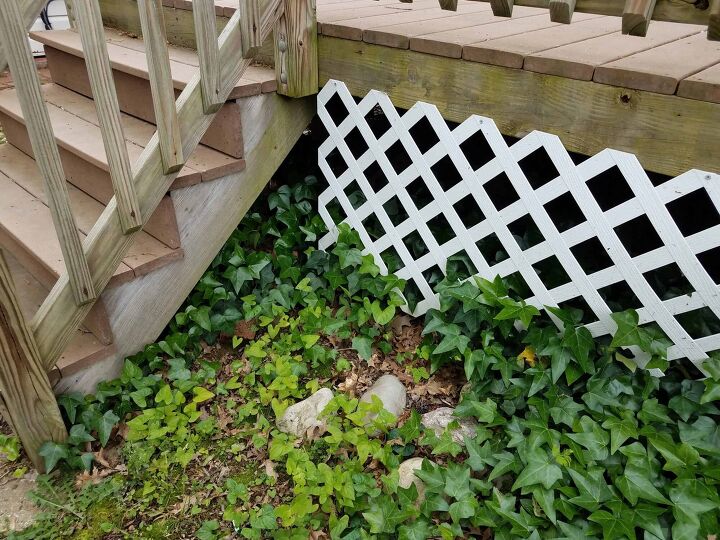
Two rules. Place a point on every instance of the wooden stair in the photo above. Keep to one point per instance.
(130, 71)
(27, 234)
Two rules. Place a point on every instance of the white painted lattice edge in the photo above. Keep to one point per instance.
(572, 179)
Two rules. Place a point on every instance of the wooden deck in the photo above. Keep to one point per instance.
(658, 96)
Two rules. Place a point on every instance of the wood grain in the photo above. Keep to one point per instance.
(636, 17)
(26, 392)
(161, 84)
(208, 54)
(448, 5)
(30, 10)
(502, 8)
(561, 10)
(588, 117)
(17, 48)
(296, 52)
(89, 22)
(714, 22)
(250, 27)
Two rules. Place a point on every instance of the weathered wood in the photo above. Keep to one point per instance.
(30, 10)
(448, 5)
(502, 8)
(714, 22)
(665, 10)
(296, 50)
(161, 84)
(208, 54)
(17, 48)
(58, 317)
(250, 27)
(89, 22)
(561, 10)
(636, 17)
(587, 116)
(26, 392)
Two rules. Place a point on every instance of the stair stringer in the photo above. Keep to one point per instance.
(207, 213)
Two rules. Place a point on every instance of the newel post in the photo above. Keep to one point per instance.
(24, 385)
(296, 49)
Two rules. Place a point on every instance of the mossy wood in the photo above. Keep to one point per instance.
(669, 134)
(26, 393)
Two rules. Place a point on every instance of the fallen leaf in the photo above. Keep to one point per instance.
(528, 355)
(245, 330)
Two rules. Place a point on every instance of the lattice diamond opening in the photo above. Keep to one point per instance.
(616, 233)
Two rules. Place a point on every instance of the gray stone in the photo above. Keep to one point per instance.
(390, 391)
(16, 510)
(406, 474)
(302, 416)
(441, 418)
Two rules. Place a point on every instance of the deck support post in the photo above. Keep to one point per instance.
(636, 17)
(26, 393)
(296, 49)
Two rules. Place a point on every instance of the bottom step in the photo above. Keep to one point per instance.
(84, 348)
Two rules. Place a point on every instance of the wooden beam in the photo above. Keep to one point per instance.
(250, 27)
(636, 17)
(26, 393)
(448, 5)
(587, 116)
(561, 11)
(97, 63)
(161, 84)
(208, 54)
(296, 51)
(714, 23)
(30, 10)
(58, 317)
(502, 8)
(665, 10)
(16, 46)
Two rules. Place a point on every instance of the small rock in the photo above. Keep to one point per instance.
(441, 418)
(406, 474)
(390, 391)
(16, 510)
(303, 416)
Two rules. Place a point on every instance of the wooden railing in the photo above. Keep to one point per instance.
(138, 188)
(636, 14)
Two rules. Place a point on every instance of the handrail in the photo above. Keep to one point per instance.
(107, 243)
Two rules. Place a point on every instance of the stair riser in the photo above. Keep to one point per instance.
(179, 25)
(96, 182)
(135, 98)
(96, 322)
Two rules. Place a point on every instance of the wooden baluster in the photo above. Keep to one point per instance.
(161, 84)
(30, 11)
(448, 5)
(561, 11)
(502, 8)
(16, 46)
(296, 49)
(26, 393)
(250, 27)
(714, 22)
(636, 17)
(97, 63)
(208, 53)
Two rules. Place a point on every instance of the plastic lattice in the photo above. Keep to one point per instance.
(480, 187)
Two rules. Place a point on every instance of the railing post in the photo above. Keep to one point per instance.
(28, 398)
(296, 49)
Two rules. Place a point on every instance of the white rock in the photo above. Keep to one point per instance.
(302, 416)
(441, 418)
(390, 391)
(406, 474)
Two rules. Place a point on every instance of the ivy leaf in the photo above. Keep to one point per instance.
(201, 394)
(384, 516)
(457, 481)
(53, 452)
(410, 430)
(79, 435)
(452, 342)
(620, 431)
(592, 488)
(541, 469)
(463, 509)
(363, 346)
(635, 483)
(628, 333)
(484, 411)
(690, 499)
(418, 530)
(580, 341)
(614, 525)
(517, 311)
(105, 426)
(546, 499)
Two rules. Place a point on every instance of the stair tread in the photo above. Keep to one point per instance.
(83, 349)
(26, 222)
(75, 124)
(127, 54)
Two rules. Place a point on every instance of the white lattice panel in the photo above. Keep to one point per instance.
(503, 174)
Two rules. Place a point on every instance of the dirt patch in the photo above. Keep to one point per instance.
(16, 510)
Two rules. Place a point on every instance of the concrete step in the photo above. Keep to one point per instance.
(127, 57)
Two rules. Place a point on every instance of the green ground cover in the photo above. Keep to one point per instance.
(573, 441)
